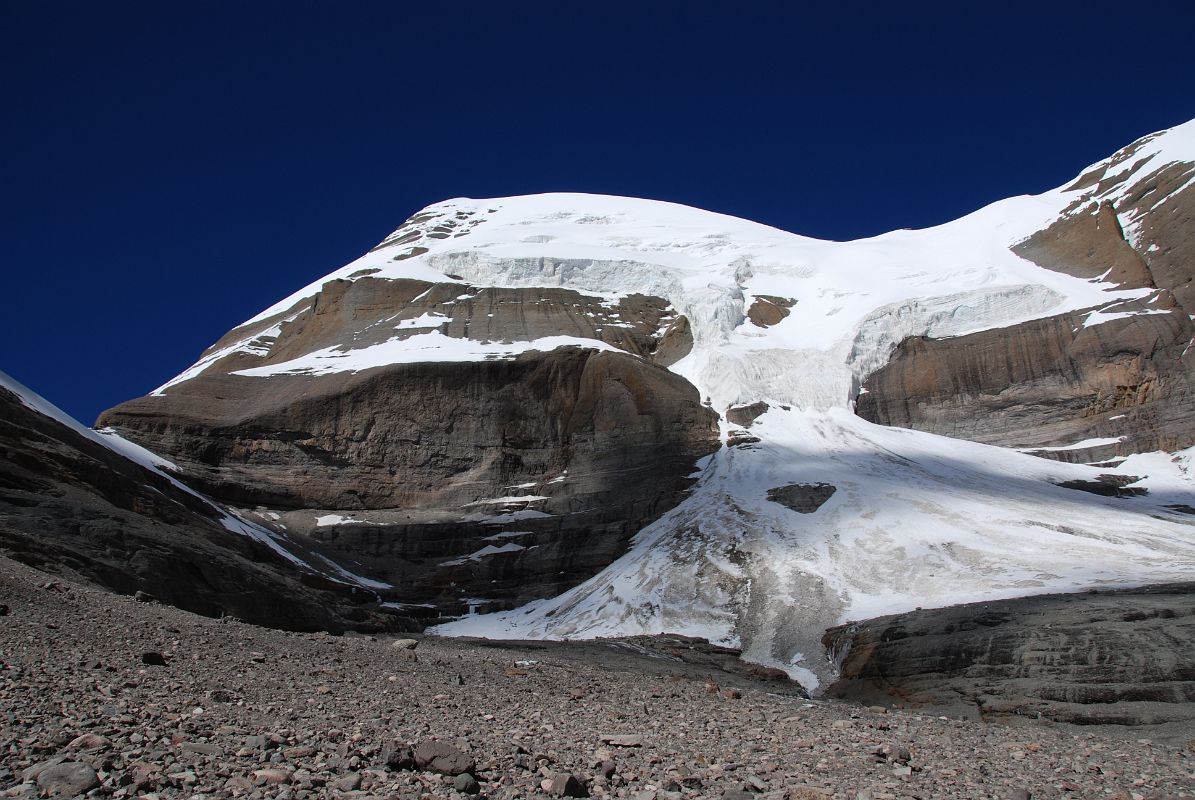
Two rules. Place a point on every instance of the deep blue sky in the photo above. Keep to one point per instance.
(171, 168)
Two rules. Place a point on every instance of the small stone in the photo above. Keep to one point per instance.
(221, 696)
(144, 597)
(564, 784)
(349, 783)
(731, 694)
(202, 748)
(607, 769)
(621, 740)
(88, 741)
(466, 784)
(4, 610)
(153, 659)
(405, 644)
(67, 779)
(271, 777)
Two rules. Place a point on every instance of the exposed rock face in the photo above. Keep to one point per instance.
(804, 498)
(473, 484)
(768, 310)
(1058, 381)
(745, 415)
(1048, 382)
(1110, 657)
(71, 506)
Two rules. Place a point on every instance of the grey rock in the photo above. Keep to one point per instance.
(992, 658)
(397, 756)
(564, 784)
(622, 739)
(466, 784)
(804, 498)
(348, 783)
(67, 779)
(435, 755)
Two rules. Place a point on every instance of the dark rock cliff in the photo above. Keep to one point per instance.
(471, 484)
(70, 506)
(1109, 657)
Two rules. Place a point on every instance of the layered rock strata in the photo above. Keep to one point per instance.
(1054, 381)
(468, 484)
(1109, 657)
(1122, 371)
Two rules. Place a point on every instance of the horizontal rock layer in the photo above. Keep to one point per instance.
(1108, 657)
(470, 483)
(1054, 381)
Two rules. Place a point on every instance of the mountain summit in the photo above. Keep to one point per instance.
(571, 415)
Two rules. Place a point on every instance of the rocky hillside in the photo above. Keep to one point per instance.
(606, 416)
(95, 507)
(136, 699)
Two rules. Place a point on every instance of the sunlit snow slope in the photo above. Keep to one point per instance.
(916, 519)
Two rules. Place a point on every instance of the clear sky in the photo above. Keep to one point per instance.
(171, 168)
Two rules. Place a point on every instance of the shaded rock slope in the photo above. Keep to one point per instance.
(462, 483)
(71, 505)
(1092, 658)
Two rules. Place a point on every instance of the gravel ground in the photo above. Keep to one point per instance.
(240, 711)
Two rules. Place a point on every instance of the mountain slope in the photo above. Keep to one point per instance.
(810, 515)
(91, 505)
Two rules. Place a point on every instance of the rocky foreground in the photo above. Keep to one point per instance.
(103, 695)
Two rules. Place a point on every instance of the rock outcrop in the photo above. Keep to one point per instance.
(1106, 657)
(71, 506)
(467, 484)
(1122, 371)
(1054, 381)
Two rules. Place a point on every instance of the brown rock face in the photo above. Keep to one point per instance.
(767, 311)
(71, 506)
(492, 482)
(1056, 381)
(1046, 382)
(1114, 657)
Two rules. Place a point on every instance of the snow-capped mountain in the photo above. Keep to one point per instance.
(598, 416)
